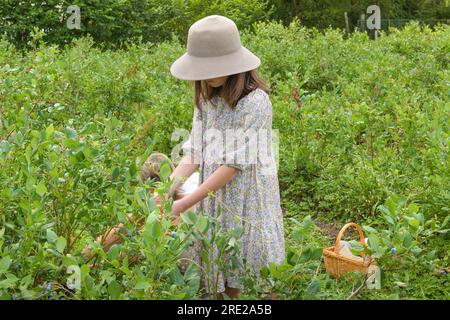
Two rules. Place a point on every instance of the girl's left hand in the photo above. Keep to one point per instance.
(178, 206)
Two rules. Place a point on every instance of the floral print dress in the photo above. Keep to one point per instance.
(251, 200)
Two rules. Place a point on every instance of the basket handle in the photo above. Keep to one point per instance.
(341, 233)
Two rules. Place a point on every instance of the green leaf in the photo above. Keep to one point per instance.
(115, 263)
(28, 153)
(142, 285)
(49, 131)
(390, 220)
(383, 209)
(297, 234)
(189, 217)
(51, 236)
(313, 289)
(68, 260)
(87, 152)
(446, 220)
(400, 284)
(151, 203)
(232, 242)
(414, 222)
(9, 281)
(369, 229)
(164, 171)
(192, 216)
(156, 229)
(4, 146)
(5, 262)
(41, 189)
(133, 170)
(264, 272)
(192, 278)
(391, 203)
(184, 216)
(407, 240)
(356, 245)
(61, 243)
(374, 242)
(413, 208)
(115, 173)
(18, 138)
(125, 270)
(70, 133)
(307, 222)
(152, 229)
(202, 224)
(114, 290)
(113, 252)
(316, 253)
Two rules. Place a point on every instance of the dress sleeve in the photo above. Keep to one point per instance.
(251, 132)
(193, 146)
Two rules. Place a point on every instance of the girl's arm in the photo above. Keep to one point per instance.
(184, 170)
(217, 180)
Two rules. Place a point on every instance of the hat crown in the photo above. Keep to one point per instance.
(213, 36)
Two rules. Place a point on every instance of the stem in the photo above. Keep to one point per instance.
(69, 244)
(354, 293)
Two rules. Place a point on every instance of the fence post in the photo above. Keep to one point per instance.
(347, 27)
(362, 23)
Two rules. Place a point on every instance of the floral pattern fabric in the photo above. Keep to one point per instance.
(251, 200)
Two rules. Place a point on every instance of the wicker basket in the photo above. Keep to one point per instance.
(337, 264)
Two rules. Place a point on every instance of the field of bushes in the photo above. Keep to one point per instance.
(364, 137)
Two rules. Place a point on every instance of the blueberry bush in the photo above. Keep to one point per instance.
(364, 137)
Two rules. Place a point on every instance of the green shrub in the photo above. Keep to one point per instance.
(359, 121)
(113, 23)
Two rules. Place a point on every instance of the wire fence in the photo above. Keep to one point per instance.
(398, 23)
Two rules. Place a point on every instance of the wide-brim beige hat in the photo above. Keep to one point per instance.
(214, 50)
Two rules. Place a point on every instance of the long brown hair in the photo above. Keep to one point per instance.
(235, 88)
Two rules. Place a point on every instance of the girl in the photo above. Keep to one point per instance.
(230, 97)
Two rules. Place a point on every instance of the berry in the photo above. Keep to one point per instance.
(70, 286)
(393, 250)
(173, 234)
(48, 286)
(442, 272)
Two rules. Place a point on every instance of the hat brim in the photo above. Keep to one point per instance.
(189, 67)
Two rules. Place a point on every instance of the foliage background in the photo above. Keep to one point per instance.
(362, 124)
(113, 22)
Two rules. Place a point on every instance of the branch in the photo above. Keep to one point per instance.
(354, 293)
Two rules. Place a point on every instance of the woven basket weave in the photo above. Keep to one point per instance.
(337, 264)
